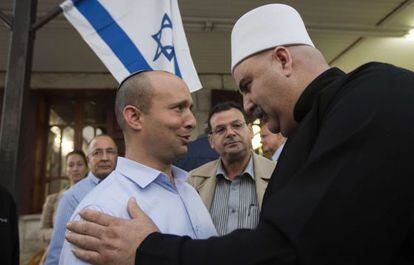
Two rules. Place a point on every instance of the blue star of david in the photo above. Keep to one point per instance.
(166, 50)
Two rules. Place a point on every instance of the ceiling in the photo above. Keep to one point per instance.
(349, 33)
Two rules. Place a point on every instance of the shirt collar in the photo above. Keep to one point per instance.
(276, 154)
(143, 175)
(179, 174)
(306, 100)
(248, 170)
(93, 178)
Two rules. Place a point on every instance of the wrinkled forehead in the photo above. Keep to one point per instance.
(252, 59)
(101, 142)
(252, 65)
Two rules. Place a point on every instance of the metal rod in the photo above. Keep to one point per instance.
(48, 17)
(358, 30)
(8, 21)
(346, 50)
(393, 12)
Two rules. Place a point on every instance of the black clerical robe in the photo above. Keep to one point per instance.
(9, 236)
(343, 189)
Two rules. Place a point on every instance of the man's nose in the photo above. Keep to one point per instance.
(248, 104)
(191, 121)
(230, 131)
(105, 156)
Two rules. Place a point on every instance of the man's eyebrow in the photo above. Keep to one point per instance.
(231, 122)
(180, 103)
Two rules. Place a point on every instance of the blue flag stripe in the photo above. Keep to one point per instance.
(112, 34)
(177, 67)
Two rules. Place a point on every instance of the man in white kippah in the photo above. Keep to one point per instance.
(341, 193)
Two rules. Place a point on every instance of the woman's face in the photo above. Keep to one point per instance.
(75, 168)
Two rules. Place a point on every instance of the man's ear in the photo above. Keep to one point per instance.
(210, 140)
(133, 117)
(283, 56)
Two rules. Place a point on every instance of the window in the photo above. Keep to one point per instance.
(72, 123)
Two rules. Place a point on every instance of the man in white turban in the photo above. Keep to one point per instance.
(342, 192)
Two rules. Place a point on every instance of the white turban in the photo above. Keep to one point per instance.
(266, 27)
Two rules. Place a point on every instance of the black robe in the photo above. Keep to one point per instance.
(9, 235)
(343, 189)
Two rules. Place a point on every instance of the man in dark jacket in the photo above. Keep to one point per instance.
(9, 235)
(342, 193)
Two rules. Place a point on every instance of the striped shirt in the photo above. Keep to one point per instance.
(235, 203)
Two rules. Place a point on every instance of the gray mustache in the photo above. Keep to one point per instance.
(258, 113)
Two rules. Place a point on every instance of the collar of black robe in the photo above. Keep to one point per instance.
(306, 100)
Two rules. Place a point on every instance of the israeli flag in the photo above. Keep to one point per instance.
(133, 35)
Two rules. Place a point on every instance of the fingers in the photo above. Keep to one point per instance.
(91, 257)
(96, 217)
(140, 218)
(86, 228)
(133, 208)
(83, 241)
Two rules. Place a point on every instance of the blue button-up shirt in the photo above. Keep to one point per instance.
(174, 209)
(67, 205)
(277, 153)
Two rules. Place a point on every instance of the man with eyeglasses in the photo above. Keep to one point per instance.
(232, 186)
(102, 158)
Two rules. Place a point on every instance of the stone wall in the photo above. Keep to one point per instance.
(30, 243)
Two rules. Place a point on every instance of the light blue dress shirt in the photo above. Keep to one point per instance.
(67, 205)
(279, 150)
(175, 210)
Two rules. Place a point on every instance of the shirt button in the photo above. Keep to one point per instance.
(233, 210)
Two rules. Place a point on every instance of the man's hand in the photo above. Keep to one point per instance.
(103, 239)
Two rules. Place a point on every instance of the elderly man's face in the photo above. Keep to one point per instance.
(102, 156)
(264, 85)
(270, 141)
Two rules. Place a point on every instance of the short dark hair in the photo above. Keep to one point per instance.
(135, 90)
(77, 152)
(224, 106)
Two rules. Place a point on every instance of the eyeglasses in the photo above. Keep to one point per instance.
(100, 152)
(222, 129)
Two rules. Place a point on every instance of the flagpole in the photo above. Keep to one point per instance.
(16, 100)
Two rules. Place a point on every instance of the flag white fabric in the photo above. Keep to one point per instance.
(133, 35)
